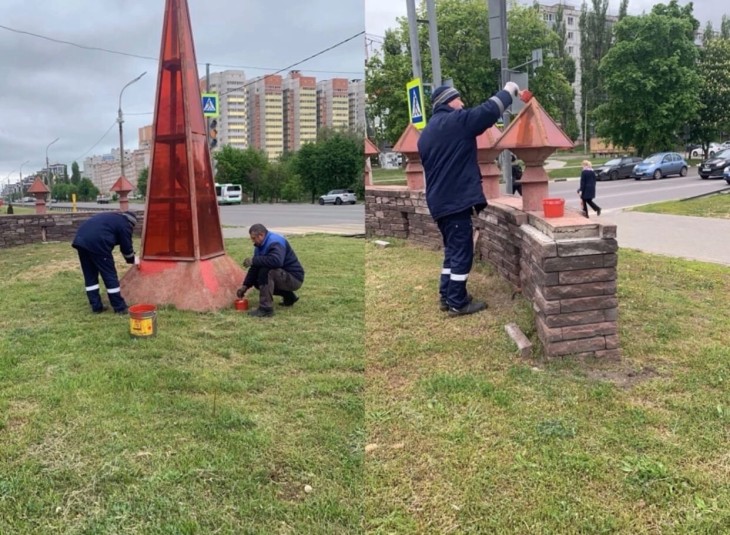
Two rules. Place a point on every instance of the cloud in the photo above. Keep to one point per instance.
(55, 90)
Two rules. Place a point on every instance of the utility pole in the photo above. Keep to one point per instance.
(413, 33)
(48, 167)
(433, 39)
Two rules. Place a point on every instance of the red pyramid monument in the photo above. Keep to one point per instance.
(183, 261)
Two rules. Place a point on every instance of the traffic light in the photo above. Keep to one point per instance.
(213, 133)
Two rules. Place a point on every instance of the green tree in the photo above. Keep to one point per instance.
(245, 167)
(725, 27)
(87, 191)
(75, 174)
(336, 160)
(464, 51)
(623, 9)
(650, 80)
(596, 38)
(142, 181)
(713, 120)
(708, 35)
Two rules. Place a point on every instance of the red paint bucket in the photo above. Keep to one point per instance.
(241, 304)
(553, 207)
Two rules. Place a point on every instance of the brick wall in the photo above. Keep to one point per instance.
(50, 227)
(566, 267)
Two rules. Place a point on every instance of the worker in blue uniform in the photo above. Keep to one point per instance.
(274, 269)
(95, 240)
(448, 150)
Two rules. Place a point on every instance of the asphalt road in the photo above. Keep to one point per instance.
(619, 194)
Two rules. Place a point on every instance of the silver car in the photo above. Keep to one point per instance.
(339, 196)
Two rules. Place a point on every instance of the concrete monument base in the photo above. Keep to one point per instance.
(200, 286)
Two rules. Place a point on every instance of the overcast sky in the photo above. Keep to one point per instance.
(381, 14)
(52, 90)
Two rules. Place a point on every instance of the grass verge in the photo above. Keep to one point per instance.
(214, 426)
(717, 206)
(464, 437)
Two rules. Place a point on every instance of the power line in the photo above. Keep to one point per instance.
(300, 62)
(127, 54)
(99, 141)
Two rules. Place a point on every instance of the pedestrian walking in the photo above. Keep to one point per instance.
(587, 190)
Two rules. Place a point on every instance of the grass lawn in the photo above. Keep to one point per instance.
(465, 437)
(17, 210)
(389, 177)
(711, 206)
(214, 426)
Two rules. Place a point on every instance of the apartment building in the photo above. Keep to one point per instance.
(300, 110)
(571, 17)
(356, 105)
(104, 170)
(333, 105)
(232, 103)
(266, 115)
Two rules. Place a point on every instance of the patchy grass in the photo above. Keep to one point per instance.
(717, 206)
(214, 426)
(389, 177)
(464, 437)
(17, 210)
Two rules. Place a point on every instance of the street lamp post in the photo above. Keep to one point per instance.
(120, 120)
(48, 167)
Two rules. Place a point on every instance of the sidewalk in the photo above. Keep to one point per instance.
(695, 238)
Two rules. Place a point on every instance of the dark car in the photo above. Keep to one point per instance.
(714, 167)
(618, 168)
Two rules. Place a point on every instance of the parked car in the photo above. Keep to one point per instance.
(339, 196)
(102, 199)
(660, 165)
(726, 175)
(700, 153)
(28, 199)
(618, 168)
(715, 166)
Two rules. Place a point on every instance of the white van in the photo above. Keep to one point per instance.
(228, 193)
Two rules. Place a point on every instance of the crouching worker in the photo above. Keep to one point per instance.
(94, 242)
(274, 270)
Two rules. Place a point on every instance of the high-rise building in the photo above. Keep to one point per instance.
(571, 18)
(333, 104)
(232, 96)
(300, 110)
(266, 115)
(104, 170)
(356, 105)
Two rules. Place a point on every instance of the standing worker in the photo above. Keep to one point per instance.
(587, 191)
(94, 242)
(448, 150)
(274, 269)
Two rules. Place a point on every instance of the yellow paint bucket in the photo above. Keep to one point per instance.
(143, 321)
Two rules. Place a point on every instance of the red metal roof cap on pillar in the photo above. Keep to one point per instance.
(38, 187)
(370, 148)
(534, 128)
(488, 138)
(122, 184)
(182, 221)
(408, 141)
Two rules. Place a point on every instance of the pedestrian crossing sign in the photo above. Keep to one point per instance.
(415, 103)
(210, 104)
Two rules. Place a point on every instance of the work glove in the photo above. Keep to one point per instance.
(130, 259)
(513, 89)
(241, 292)
(247, 262)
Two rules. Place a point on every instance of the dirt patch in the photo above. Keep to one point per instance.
(623, 377)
